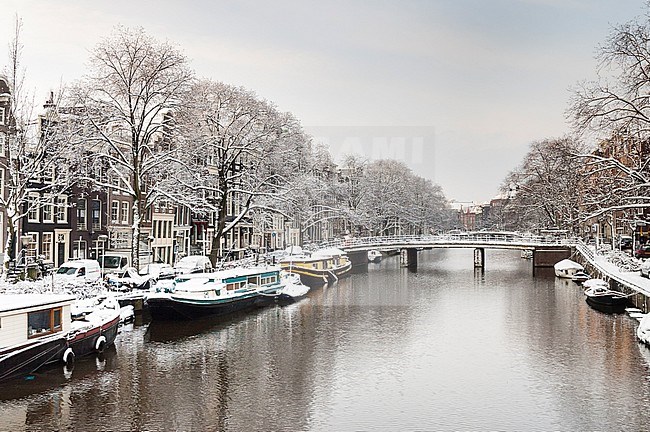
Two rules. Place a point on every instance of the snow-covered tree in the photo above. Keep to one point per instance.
(39, 154)
(239, 145)
(126, 103)
(545, 190)
(616, 108)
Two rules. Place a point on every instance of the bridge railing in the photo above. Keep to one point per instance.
(463, 238)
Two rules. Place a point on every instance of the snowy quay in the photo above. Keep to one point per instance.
(629, 282)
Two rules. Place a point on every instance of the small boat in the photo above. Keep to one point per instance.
(567, 268)
(374, 256)
(34, 331)
(320, 268)
(580, 276)
(220, 293)
(602, 298)
(643, 331)
(595, 282)
(292, 289)
(93, 331)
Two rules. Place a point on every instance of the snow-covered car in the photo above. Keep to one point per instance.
(129, 279)
(157, 271)
(645, 268)
(193, 264)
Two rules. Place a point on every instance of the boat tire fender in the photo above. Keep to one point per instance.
(100, 344)
(68, 357)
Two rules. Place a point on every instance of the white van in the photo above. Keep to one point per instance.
(116, 262)
(82, 270)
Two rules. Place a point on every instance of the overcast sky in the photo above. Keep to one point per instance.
(457, 89)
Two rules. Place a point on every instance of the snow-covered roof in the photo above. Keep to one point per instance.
(12, 302)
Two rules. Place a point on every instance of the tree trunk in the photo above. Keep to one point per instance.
(135, 240)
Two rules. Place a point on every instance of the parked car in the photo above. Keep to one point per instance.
(625, 242)
(193, 264)
(157, 271)
(643, 251)
(645, 269)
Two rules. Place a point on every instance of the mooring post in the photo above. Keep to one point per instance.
(479, 258)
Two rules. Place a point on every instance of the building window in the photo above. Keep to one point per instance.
(62, 209)
(79, 249)
(31, 250)
(32, 208)
(44, 322)
(114, 211)
(96, 214)
(47, 246)
(125, 212)
(3, 140)
(48, 210)
(81, 215)
(2, 116)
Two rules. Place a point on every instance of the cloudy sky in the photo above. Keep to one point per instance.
(457, 89)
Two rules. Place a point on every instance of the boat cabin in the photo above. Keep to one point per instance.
(27, 317)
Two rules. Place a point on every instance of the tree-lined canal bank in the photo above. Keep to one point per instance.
(443, 348)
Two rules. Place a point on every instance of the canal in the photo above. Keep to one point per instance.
(443, 348)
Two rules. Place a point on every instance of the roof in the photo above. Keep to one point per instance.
(11, 302)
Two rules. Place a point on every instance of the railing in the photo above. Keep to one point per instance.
(478, 238)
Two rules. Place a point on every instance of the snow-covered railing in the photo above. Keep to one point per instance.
(466, 239)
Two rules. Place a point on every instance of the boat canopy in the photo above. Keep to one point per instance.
(567, 264)
(329, 252)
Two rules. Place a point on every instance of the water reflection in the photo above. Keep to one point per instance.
(443, 348)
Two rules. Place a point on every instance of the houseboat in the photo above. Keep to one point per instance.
(37, 329)
(320, 268)
(197, 295)
(33, 331)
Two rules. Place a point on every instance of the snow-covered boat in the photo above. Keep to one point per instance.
(93, 331)
(292, 288)
(567, 268)
(603, 298)
(374, 256)
(219, 293)
(580, 276)
(589, 283)
(33, 331)
(321, 267)
(643, 331)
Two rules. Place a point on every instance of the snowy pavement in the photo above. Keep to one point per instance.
(631, 279)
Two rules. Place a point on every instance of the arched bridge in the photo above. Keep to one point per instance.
(546, 250)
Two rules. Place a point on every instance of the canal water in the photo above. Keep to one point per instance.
(443, 348)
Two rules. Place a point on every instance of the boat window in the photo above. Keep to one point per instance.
(230, 286)
(44, 322)
(254, 280)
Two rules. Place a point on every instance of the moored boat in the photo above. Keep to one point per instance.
(94, 331)
(33, 331)
(374, 256)
(202, 294)
(292, 289)
(320, 268)
(580, 276)
(602, 298)
(567, 268)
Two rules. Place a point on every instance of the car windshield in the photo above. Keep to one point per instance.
(67, 270)
(111, 262)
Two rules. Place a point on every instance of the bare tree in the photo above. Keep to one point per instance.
(240, 145)
(39, 155)
(546, 190)
(127, 104)
(616, 106)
